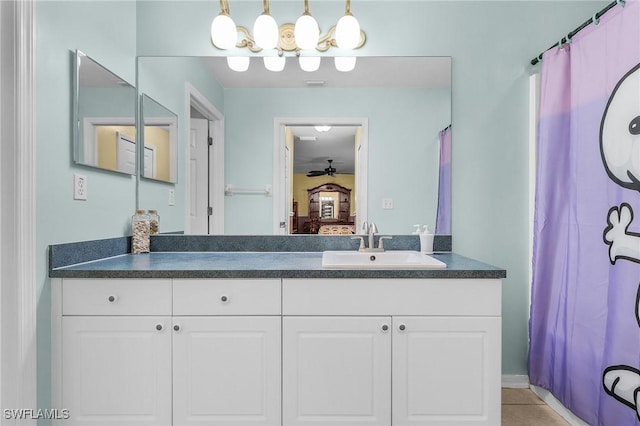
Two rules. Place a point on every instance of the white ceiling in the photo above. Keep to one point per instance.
(338, 144)
(370, 71)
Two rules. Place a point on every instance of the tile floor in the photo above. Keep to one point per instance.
(522, 407)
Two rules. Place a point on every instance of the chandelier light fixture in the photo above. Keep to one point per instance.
(302, 39)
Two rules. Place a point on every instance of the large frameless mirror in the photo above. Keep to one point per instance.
(104, 118)
(160, 143)
(398, 108)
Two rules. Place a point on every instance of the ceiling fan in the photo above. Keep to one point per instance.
(329, 171)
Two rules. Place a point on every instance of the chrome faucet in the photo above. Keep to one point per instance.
(370, 230)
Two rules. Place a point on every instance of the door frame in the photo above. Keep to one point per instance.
(18, 298)
(198, 101)
(280, 209)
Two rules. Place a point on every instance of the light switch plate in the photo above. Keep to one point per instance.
(387, 203)
(172, 197)
(80, 187)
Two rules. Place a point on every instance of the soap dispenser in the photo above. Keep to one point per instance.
(426, 240)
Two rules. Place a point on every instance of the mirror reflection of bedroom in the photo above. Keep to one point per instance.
(323, 179)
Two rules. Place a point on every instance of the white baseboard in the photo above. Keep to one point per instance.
(557, 406)
(515, 381)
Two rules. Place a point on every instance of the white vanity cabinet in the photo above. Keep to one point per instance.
(114, 357)
(226, 352)
(336, 370)
(277, 352)
(391, 352)
(167, 352)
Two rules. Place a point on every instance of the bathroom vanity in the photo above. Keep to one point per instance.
(239, 338)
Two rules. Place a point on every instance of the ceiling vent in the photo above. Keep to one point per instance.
(315, 83)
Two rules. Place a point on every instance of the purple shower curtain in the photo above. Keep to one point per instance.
(443, 214)
(585, 319)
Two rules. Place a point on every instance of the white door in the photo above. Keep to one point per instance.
(199, 176)
(336, 371)
(116, 371)
(125, 154)
(149, 169)
(446, 371)
(226, 371)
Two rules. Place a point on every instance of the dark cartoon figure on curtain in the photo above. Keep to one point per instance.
(620, 149)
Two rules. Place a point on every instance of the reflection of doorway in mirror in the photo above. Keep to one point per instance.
(125, 153)
(304, 152)
(204, 166)
(100, 142)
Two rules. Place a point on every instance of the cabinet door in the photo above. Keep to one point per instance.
(116, 370)
(336, 371)
(446, 371)
(226, 370)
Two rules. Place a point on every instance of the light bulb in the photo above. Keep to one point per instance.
(224, 34)
(306, 32)
(345, 63)
(309, 63)
(238, 63)
(348, 32)
(265, 31)
(274, 63)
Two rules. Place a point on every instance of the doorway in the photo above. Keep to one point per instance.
(287, 218)
(204, 161)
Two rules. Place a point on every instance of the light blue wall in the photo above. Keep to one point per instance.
(164, 80)
(491, 44)
(403, 149)
(105, 31)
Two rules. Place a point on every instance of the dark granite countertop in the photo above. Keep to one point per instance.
(259, 264)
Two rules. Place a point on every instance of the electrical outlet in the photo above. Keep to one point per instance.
(172, 197)
(80, 187)
(387, 203)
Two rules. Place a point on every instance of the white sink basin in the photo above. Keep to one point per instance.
(393, 259)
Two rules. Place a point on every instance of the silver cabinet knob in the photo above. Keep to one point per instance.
(385, 327)
(159, 327)
(224, 299)
(112, 298)
(402, 327)
(176, 327)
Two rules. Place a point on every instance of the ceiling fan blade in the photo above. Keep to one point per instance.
(316, 173)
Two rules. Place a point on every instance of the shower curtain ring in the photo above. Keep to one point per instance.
(595, 19)
(621, 2)
(568, 38)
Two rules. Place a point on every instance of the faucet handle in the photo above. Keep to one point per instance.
(365, 227)
(380, 246)
(373, 227)
(361, 242)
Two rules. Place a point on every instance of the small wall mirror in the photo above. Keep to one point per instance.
(160, 143)
(104, 118)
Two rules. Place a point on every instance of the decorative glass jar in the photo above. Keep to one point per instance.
(140, 231)
(154, 222)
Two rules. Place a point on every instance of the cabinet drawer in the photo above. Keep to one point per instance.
(116, 297)
(226, 297)
(460, 297)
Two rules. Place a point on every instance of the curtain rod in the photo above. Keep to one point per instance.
(580, 28)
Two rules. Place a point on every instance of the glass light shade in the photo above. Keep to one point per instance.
(238, 63)
(345, 63)
(306, 32)
(309, 63)
(265, 31)
(274, 63)
(347, 32)
(224, 34)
